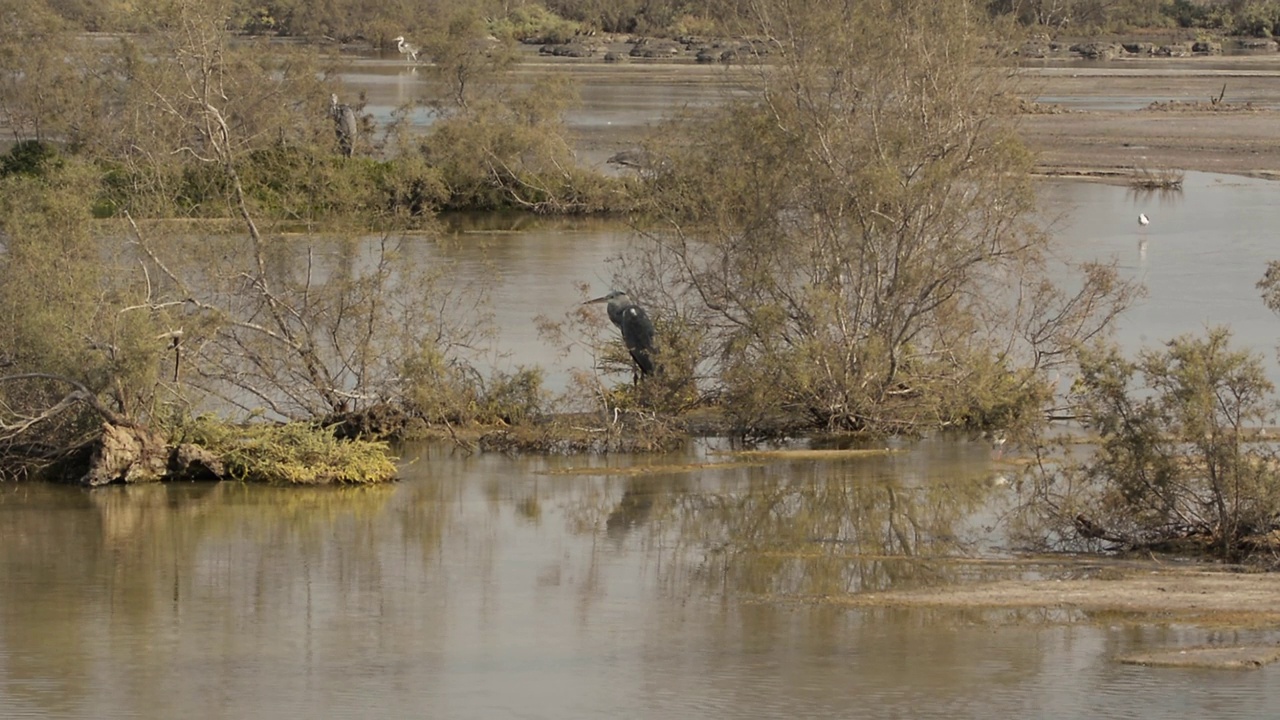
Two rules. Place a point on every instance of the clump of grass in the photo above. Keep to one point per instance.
(292, 453)
(1159, 179)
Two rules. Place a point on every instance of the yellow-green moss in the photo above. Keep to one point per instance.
(292, 453)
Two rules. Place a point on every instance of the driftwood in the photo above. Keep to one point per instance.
(138, 455)
(127, 454)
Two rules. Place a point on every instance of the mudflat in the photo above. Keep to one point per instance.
(1099, 117)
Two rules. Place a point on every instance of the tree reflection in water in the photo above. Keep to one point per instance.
(801, 529)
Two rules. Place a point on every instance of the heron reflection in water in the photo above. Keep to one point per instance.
(637, 329)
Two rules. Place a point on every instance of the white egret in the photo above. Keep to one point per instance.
(406, 49)
(1143, 220)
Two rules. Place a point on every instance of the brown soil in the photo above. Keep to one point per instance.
(1115, 590)
(1181, 122)
(1180, 127)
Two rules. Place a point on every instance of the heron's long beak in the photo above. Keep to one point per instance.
(600, 299)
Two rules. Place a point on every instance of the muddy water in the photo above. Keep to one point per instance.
(490, 587)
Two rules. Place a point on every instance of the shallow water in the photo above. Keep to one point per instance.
(482, 587)
(1200, 260)
(617, 103)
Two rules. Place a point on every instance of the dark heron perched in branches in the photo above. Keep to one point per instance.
(637, 329)
(344, 125)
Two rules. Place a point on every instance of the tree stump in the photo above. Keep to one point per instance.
(127, 454)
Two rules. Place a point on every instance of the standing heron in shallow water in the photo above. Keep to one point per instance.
(406, 49)
(637, 329)
(344, 125)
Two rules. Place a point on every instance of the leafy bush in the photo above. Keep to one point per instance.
(534, 22)
(453, 392)
(290, 454)
(1176, 465)
(1256, 19)
(30, 157)
(853, 246)
(511, 152)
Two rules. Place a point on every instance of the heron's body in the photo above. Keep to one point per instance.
(344, 125)
(1143, 220)
(406, 49)
(637, 329)
(632, 158)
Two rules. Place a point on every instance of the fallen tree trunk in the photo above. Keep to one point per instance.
(127, 454)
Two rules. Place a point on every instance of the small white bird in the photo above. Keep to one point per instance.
(1143, 220)
(406, 49)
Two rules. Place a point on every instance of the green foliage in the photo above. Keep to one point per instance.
(439, 390)
(850, 233)
(635, 16)
(512, 398)
(1188, 13)
(313, 184)
(1254, 18)
(284, 182)
(1258, 18)
(290, 454)
(30, 157)
(351, 20)
(511, 152)
(39, 82)
(67, 309)
(1176, 461)
(534, 22)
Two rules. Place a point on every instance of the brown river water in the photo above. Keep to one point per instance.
(497, 587)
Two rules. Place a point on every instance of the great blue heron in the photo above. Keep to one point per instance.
(406, 49)
(344, 124)
(637, 329)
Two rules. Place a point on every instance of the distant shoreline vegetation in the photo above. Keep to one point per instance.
(560, 20)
